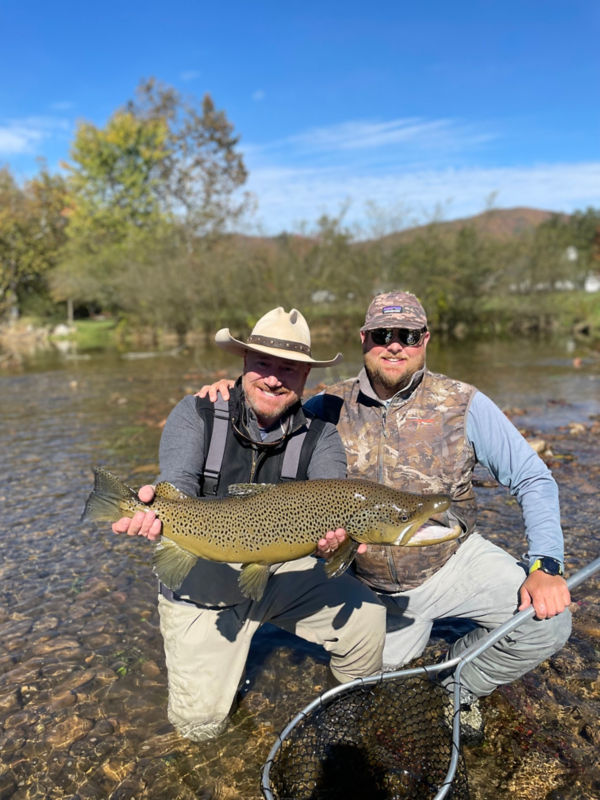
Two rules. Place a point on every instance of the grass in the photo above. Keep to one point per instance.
(91, 334)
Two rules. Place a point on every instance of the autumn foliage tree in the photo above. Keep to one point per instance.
(150, 194)
(32, 233)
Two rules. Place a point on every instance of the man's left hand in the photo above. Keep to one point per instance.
(549, 594)
(327, 546)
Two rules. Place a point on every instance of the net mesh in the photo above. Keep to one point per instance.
(385, 741)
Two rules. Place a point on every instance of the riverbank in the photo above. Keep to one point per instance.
(575, 315)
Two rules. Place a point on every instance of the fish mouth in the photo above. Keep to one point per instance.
(430, 533)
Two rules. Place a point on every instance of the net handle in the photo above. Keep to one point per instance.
(479, 647)
(468, 655)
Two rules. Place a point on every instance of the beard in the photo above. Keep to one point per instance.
(387, 380)
(269, 415)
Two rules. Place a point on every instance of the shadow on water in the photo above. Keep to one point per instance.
(83, 689)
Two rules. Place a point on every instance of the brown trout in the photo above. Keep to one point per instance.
(258, 525)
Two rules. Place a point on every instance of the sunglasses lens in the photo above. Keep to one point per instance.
(406, 336)
(382, 336)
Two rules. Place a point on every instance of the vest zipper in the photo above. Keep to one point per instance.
(256, 461)
(253, 466)
(381, 438)
(388, 550)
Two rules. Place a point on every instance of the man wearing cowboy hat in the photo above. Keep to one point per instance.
(260, 435)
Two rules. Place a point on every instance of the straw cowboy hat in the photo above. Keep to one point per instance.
(278, 333)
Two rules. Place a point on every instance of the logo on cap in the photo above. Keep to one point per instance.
(392, 309)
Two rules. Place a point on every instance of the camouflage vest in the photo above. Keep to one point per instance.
(418, 444)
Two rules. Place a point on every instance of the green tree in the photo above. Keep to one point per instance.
(32, 233)
(583, 249)
(159, 177)
(203, 172)
(115, 178)
(113, 196)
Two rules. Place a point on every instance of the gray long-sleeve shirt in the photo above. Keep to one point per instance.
(182, 448)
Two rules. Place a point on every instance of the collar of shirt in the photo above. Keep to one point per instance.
(400, 396)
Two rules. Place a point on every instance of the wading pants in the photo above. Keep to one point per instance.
(206, 648)
(480, 582)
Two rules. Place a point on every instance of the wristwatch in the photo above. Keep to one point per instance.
(546, 564)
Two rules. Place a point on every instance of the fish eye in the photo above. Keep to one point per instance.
(404, 518)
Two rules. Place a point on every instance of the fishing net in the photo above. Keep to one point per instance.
(387, 737)
(384, 741)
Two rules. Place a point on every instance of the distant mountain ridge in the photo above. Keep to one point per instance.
(500, 223)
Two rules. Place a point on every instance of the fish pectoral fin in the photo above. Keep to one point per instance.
(171, 563)
(245, 489)
(253, 580)
(339, 562)
(169, 492)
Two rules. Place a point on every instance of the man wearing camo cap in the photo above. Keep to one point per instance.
(394, 308)
(411, 428)
(406, 426)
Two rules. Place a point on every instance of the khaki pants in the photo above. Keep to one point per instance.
(480, 582)
(206, 648)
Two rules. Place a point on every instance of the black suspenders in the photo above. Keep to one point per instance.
(216, 449)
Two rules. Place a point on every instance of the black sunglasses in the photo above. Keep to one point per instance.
(408, 337)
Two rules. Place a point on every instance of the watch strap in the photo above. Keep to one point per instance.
(542, 564)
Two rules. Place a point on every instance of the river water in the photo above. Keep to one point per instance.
(83, 690)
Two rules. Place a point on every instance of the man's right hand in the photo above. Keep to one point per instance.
(212, 389)
(143, 523)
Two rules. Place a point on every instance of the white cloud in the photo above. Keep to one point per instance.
(23, 140)
(365, 141)
(19, 138)
(62, 105)
(288, 196)
(190, 75)
(362, 135)
(421, 166)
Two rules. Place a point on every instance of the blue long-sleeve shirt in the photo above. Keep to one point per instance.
(512, 461)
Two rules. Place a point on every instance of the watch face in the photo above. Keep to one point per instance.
(550, 566)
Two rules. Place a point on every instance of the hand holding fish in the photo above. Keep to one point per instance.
(549, 594)
(331, 541)
(143, 523)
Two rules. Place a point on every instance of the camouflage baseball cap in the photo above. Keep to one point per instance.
(395, 310)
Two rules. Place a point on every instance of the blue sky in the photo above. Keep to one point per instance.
(393, 111)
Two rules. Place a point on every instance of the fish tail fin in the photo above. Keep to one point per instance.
(339, 562)
(104, 503)
(171, 563)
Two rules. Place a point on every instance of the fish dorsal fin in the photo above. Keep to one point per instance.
(169, 492)
(339, 562)
(245, 489)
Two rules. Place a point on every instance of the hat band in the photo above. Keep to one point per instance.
(281, 344)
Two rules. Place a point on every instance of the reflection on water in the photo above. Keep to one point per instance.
(83, 693)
